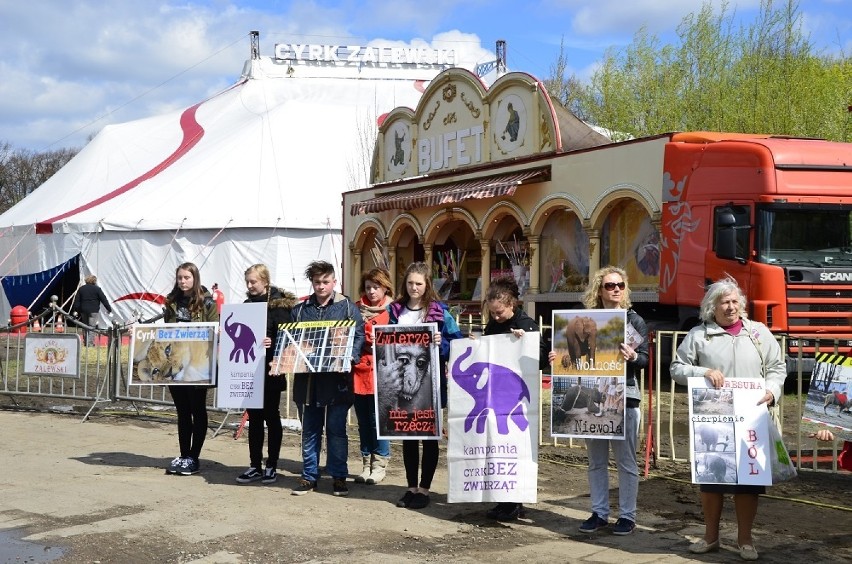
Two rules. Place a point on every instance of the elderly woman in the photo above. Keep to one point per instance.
(728, 345)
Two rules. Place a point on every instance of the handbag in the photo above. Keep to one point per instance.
(780, 464)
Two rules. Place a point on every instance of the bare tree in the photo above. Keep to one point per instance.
(22, 171)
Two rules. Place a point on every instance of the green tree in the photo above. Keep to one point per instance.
(765, 77)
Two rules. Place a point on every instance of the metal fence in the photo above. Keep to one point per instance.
(103, 380)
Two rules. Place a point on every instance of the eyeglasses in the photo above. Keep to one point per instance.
(610, 286)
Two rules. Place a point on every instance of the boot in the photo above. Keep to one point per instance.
(365, 471)
(379, 468)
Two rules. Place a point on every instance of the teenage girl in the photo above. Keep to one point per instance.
(506, 316)
(418, 303)
(189, 302)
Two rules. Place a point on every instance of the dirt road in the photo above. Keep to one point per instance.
(76, 492)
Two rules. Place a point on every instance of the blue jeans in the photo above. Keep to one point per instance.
(333, 418)
(365, 411)
(628, 470)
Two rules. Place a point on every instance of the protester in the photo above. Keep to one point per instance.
(279, 304)
(418, 303)
(189, 302)
(87, 306)
(729, 345)
(506, 316)
(609, 289)
(324, 398)
(375, 454)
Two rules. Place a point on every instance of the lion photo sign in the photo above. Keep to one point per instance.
(173, 354)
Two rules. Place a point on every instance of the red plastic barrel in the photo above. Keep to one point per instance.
(19, 314)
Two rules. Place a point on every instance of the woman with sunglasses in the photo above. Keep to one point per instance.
(608, 289)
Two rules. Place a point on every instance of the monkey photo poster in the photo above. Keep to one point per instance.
(493, 418)
(829, 400)
(242, 356)
(407, 378)
(589, 374)
(729, 432)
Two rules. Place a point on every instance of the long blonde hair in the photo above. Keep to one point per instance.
(592, 297)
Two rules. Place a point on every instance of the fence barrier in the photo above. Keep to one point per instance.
(663, 429)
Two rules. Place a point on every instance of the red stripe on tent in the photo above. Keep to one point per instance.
(192, 134)
(144, 296)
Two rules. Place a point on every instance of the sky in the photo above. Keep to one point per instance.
(70, 67)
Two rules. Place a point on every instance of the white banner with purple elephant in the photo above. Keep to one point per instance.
(242, 356)
(492, 449)
(730, 432)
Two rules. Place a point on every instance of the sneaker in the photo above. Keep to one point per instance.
(189, 466)
(406, 499)
(593, 523)
(340, 488)
(269, 475)
(623, 527)
(510, 512)
(174, 465)
(305, 486)
(419, 501)
(249, 476)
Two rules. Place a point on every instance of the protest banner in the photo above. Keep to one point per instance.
(729, 432)
(314, 346)
(242, 357)
(589, 374)
(407, 380)
(173, 354)
(829, 399)
(51, 354)
(492, 449)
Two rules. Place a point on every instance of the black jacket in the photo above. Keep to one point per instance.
(321, 389)
(88, 301)
(279, 304)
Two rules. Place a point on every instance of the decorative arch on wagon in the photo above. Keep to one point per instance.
(495, 215)
(628, 223)
(455, 252)
(563, 248)
(398, 227)
(369, 242)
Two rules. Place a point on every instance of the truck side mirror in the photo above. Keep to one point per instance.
(726, 236)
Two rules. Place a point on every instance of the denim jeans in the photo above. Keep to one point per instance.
(333, 418)
(628, 469)
(365, 410)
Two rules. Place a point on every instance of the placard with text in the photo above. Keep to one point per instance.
(729, 432)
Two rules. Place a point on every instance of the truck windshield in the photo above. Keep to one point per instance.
(804, 235)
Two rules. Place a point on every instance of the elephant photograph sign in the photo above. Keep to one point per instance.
(493, 419)
(407, 381)
(242, 356)
(589, 375)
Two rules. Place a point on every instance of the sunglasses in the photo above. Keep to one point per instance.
(610, 286)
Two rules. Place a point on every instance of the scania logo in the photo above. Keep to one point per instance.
(835, 276)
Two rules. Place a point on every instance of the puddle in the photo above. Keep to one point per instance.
(13, 549)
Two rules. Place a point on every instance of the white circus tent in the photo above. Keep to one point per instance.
(252, 174)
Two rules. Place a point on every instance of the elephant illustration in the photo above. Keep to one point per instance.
(493, 388)
(581, 334)
(243, 338)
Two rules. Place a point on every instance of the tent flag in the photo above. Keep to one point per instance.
(24, 289)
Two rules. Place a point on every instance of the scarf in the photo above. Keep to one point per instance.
(368, 312)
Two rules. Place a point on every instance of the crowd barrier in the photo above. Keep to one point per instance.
(103, 381)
